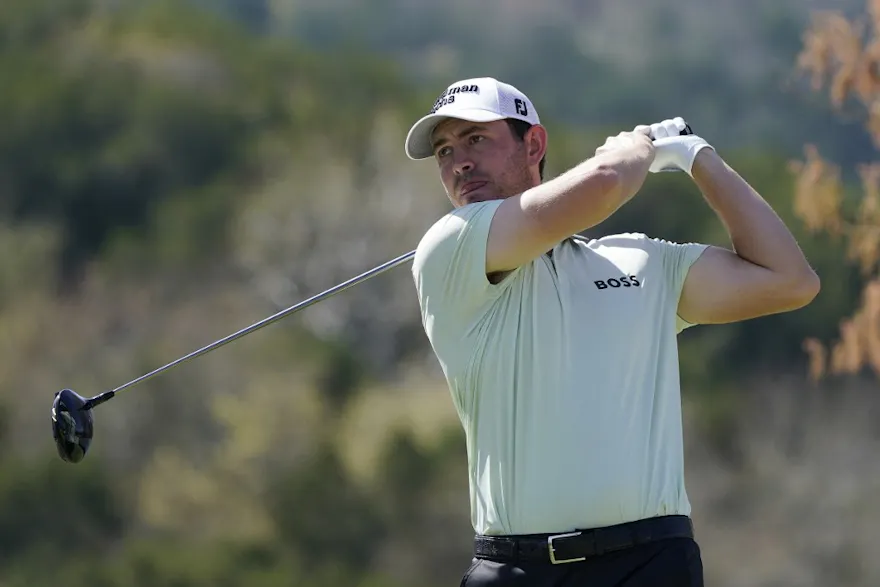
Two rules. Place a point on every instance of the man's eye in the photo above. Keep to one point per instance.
(443, 151)
(476, 138)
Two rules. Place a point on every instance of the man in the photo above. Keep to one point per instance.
(560, 353)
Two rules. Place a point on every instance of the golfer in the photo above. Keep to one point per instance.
(561, 354)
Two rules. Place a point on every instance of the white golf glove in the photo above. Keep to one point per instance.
(674, 151)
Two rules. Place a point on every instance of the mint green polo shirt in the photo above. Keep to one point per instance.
(564, 376)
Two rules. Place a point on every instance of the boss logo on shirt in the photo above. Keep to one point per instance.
(615, 282)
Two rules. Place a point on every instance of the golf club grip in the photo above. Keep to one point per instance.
(687, 131)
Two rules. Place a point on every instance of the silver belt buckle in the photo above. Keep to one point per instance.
(553, 558)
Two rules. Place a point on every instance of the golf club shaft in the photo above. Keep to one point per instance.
(101, 398)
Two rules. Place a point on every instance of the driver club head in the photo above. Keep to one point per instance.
(72, 426)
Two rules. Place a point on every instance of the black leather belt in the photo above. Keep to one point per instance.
(582, 544)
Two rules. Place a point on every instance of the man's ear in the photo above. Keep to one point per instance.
(535, 140)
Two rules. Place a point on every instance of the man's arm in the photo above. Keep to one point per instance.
(528, 225)
(765, 273)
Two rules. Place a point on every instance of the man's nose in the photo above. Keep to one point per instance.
(463, 165)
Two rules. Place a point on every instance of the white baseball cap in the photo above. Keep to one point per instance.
(480, 99)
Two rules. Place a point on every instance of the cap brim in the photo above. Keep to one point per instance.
(418, 140)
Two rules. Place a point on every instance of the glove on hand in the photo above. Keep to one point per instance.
(675, 151)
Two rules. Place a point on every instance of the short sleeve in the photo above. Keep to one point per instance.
(449, 269)
(677, 261)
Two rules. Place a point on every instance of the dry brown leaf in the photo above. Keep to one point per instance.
(818, 193)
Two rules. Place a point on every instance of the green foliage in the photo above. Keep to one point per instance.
(54, 511)
(341, 377)
(122, 115)
(324, 515)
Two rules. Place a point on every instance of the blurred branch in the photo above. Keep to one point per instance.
(844, 55)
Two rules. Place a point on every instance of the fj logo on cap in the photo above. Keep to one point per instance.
(448, 95)
(521, 107)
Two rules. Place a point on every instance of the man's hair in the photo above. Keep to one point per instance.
(519, 129)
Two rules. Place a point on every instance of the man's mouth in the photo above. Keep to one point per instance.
(471, 186)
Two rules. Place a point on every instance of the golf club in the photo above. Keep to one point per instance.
(72, 423)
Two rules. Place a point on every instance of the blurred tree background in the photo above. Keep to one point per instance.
(173, 171)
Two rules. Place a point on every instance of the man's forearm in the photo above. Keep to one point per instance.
(591, 191)
(757, 233)
(528, 225)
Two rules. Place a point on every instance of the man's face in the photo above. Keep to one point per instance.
(481, 161)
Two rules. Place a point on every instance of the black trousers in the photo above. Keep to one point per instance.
(671, 562)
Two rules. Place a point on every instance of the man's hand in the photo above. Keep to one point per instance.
(640, 136)
(674, 151)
